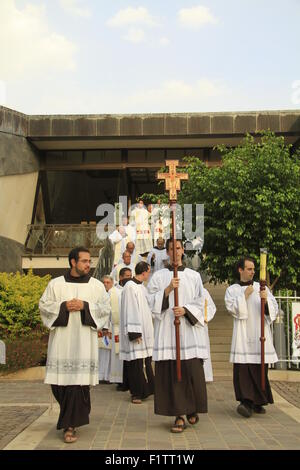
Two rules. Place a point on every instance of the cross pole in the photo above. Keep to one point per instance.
(172, 184)
(262, 282)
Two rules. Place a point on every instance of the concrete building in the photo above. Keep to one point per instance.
(56, 170)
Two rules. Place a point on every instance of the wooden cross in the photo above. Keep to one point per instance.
(172, 179)
(172, 183)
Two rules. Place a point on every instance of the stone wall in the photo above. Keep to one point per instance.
(10, 255)
(17, 156)
(17, 194)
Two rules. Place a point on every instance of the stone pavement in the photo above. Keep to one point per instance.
(28, 421)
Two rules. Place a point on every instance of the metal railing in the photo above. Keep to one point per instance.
(282, 331)
(59, 239)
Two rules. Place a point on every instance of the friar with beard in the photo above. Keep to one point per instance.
(74, 307)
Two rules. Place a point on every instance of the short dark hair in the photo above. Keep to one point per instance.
(241, 263)
(141, 267)
(74, 254)
(171, 241)
(123, 271)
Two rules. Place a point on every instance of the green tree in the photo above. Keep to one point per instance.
(251, 201)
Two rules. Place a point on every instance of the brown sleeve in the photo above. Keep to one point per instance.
(63, 316)
(165, 303)
(267, 309)
(133, 336)
(86, 317)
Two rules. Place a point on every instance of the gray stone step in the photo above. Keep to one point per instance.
(225, 348)
(222, 365)
(219, 356)
(226, 332)
(220, 331)
(219, 339)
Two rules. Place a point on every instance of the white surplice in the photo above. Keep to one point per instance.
(73, 349)
(116, 364)
(160, 257)
(140, 217)
(135, 258)
(192, 338)
(135, 317)
(130, 232)
(119, 243)
(210, 312)
(245, 346)
(115, 274)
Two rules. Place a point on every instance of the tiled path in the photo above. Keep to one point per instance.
(117, 424)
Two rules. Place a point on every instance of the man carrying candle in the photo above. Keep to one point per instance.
(243, 301)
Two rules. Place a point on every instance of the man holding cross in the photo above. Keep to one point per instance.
(188, 397)
(180, 344)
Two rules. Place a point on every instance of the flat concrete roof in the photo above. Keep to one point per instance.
(56, 132)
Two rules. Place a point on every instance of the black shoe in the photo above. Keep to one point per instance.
(259, 409)
(244, 410)
(121, 388)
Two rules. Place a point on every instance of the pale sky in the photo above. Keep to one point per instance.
(158, 56)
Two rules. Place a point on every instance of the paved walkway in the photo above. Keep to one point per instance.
(28, 421)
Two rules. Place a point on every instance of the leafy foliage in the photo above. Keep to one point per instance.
(19, 298)
(251, 201)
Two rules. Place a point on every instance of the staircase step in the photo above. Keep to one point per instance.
(219, 340)
(220, 332)
(220, 325)
(219, 356)
(220, 365)
(223, 348)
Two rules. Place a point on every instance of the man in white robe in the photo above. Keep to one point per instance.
(134, 256)
(140, 218)
(124, 276)
(105, 340)
(73, 307)
(126, 263)
(160, 221)
(136, 335)
(119, 239)
(157, 257)
(188, 397)
(243, 301)
(209, 313)
(130, 230)
(115, 373)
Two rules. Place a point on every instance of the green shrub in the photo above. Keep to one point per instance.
(24, 352)
(19, 299)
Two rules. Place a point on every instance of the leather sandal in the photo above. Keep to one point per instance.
(193, 418)
(179, 425)
(70, 436)
(136, 400)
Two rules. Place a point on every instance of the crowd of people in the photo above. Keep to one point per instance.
(115, 330)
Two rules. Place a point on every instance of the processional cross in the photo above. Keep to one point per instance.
(172, 184)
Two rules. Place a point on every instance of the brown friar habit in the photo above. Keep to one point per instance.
(173, 398)
(247, 379)
(74, 400)
(138, 373)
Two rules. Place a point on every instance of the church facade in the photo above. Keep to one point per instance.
(55, 170)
